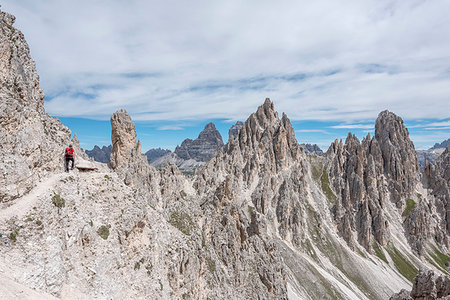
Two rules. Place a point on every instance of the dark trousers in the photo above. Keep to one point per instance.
(67, 162)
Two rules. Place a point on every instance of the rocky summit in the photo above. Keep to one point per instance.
(100, 154)
(260, 219)
(430, 155)
(203, 147)
(312, 149)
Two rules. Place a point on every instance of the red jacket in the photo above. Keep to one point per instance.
(69, 153)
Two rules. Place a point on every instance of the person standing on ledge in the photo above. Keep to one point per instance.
(70, 155)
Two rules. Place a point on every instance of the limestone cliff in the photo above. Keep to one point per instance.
(32, 143)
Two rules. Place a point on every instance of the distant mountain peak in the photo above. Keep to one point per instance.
(203, 147)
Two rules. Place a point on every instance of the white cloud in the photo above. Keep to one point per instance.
(170, 127)
(439, 124)
(353, 126)
(312, 130)
(171, 60)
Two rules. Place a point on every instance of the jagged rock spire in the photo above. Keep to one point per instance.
(399, 156)
(123, 137)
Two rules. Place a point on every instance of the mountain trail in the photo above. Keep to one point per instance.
(22, 205)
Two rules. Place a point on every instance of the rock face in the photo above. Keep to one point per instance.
(430, 155)
(312, 149)
(265, 145)
(234, 130)
(437, 177)
(203, 147)
(376, 173)
(156, 153)
(100, 154)
(427, 286)
(442, 145)
(32, 143)
(398, 153)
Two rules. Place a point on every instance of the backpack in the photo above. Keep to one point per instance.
(69, 153)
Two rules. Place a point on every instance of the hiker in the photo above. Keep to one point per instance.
(69, 154)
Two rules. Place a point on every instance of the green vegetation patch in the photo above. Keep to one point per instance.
(58, 201)
(439, 257)
(211, 264)
(183, 194)
(403, 265)
(13, 236)
(410, 205)
(325, 181)
(103, 232)
(149, 268)
(107, 177)
(38, 222)
(379, 252)
(315, 173)
(182, 221)
(30, 219)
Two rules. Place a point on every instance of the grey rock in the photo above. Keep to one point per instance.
(156, 153)
(234, 130)
(312, 149)
(100, 154)
(32, 142)
(203, 147)
(444, 145)
(402, 295)
(426, 286)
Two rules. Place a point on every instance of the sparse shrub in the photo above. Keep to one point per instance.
(149, 268)
(183, 194)
(137, 266)
(107, 177)
(58, 201)
(326, 187)
(211, 264)
(103, 232)
(410, 205)
(182, 221)
(91, 223)
(30, 219)
(13, 236)
(38, 222)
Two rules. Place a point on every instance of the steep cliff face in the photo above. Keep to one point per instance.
(203, 147)
(437, 178)
(356, 173)
(32, 143)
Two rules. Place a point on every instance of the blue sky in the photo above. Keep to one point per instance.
(332, 66)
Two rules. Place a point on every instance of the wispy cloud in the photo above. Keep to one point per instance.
(313, 130)
(353, 126)
(170, 127)
(437, 128)
(167, 60)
